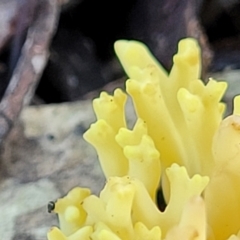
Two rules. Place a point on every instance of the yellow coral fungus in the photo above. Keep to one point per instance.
(179, 143)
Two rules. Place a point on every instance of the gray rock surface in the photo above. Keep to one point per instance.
(44, 157)
(233, 79)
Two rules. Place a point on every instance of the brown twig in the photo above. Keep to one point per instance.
(30, 64)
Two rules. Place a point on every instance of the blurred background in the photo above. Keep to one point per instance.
(81, 52)
(82, 57)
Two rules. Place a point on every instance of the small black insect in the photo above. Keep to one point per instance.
(50, 206)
